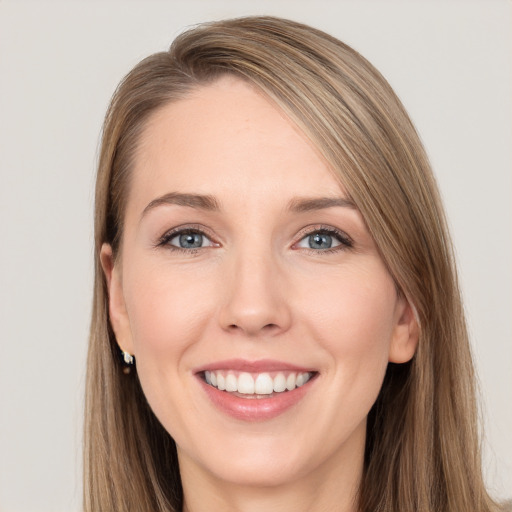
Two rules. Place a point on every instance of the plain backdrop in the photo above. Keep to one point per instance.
(449, 61)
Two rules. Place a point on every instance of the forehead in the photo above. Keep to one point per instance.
(228, 138)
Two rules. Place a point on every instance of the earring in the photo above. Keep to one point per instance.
(128, 358)
(128, 361)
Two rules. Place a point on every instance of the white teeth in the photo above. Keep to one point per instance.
(246, 384)
(279, 383)
(231, 383)
(263, 384)
(259, 384)
(290, 382)
(302, 378)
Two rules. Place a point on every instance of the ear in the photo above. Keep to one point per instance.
(406, 332)
(117, 308)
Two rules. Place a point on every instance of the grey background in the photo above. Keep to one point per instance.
(450, 62)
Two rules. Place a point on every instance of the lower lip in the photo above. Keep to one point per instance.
(255, 409)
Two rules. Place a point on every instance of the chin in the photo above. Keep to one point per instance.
(264, 459)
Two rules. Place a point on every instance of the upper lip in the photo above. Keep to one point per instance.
(259, 366)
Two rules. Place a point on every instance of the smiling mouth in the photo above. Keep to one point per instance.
(256, 385)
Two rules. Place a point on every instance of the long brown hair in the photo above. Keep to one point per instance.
(422, 449)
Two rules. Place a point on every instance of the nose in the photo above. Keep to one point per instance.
(254, 299)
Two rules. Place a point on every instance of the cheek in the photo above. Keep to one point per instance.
(353, 318)
(168, 312)
(167, 309)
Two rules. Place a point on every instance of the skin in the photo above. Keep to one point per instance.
(256, 290)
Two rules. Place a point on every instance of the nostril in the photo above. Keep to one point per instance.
(265, 328)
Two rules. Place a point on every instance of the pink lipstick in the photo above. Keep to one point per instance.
(255, 390)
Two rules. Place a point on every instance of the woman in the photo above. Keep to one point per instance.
(273, 266)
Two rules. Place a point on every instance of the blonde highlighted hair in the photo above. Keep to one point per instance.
(422, 450)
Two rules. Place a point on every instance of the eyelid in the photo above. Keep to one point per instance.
(345, 240)
(183, 229)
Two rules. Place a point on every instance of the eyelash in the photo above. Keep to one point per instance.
(192, 230)
(345, 242)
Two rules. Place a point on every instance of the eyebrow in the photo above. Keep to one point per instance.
(199, 201)
(319, 203)
(209, 203)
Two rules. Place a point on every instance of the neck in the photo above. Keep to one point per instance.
(273, 499)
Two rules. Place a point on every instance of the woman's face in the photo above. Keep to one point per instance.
(245, 263)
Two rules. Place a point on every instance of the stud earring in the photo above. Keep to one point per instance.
(128, 361)
(128, 358)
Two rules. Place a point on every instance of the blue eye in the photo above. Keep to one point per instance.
(323, 240)
(188, 239)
